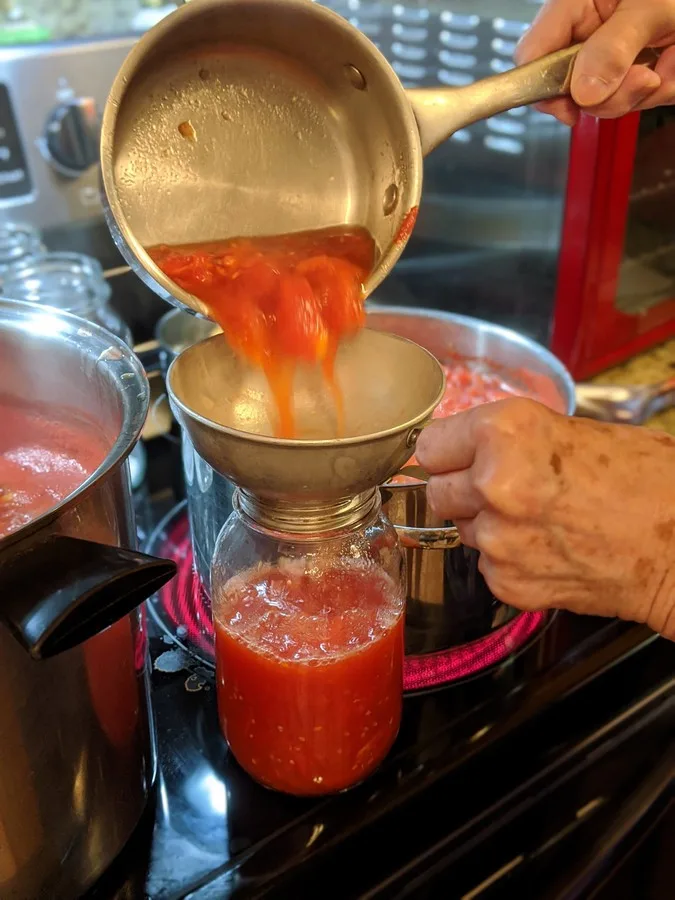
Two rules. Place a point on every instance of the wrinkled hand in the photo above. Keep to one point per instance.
(605, 82)
(566, 513)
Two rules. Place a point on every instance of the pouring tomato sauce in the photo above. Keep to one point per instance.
(309, 674)
(280, 300)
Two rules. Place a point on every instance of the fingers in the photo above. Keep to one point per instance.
(665, 94)
(607, 57)
(467, 532)
(564, 109)
(453, 496)
(499, 585)
(637, 88)
(552, 29)
(605, 83)
(448, 445)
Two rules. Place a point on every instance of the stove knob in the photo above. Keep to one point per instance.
(71, 136)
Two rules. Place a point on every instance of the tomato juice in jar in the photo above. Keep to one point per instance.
(309, 655)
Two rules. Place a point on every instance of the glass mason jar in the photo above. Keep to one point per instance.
(309, 647)
(17, 242)
(209, 503)
(69, 281)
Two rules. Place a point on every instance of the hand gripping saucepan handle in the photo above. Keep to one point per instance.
(443, 111)
(443, 537)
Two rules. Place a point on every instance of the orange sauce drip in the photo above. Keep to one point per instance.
(280, 300)
(407, 225)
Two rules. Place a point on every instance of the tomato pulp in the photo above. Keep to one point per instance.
(310, 674)
(280, 300)
(42, 459)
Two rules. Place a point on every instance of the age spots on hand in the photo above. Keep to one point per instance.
(665, 530)
(556, 463)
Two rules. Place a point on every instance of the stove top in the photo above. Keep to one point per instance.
(534, 777)
(518, 782)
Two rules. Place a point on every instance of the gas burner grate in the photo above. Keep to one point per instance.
(183, 609)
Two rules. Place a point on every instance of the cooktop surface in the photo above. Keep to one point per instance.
(524, 781)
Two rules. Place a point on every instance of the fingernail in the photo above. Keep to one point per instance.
(589, 90)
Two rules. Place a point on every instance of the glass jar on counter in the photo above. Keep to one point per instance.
(17, 243)
(309, 642)
(68, 281)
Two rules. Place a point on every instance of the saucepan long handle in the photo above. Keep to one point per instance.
(441, 112)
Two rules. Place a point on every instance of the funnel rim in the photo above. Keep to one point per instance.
(300, 443)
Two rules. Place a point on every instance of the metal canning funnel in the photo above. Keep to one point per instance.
(390, 388)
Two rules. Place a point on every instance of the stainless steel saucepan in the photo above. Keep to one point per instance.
(251, 117)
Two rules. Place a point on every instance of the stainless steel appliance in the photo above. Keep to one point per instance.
(488, 231)
(502, 198)
(51, 97)
(77, 755)
(582, 712)
(49, 156)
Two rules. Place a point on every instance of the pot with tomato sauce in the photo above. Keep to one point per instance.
(449, 602)
(77, 756)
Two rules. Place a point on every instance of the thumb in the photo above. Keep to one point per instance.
(606, 57)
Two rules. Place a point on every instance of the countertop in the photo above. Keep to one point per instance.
(656, 365)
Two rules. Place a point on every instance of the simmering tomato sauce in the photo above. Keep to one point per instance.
(43, 458)
(280, 300)
(309, 674)
(466, 386)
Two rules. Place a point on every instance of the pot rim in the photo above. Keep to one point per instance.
(558, 371)
(133, 390)
(176, 314)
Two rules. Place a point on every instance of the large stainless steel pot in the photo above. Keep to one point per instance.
(447, 595)
(77, 757)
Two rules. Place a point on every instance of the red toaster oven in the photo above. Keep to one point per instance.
(616, 275)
